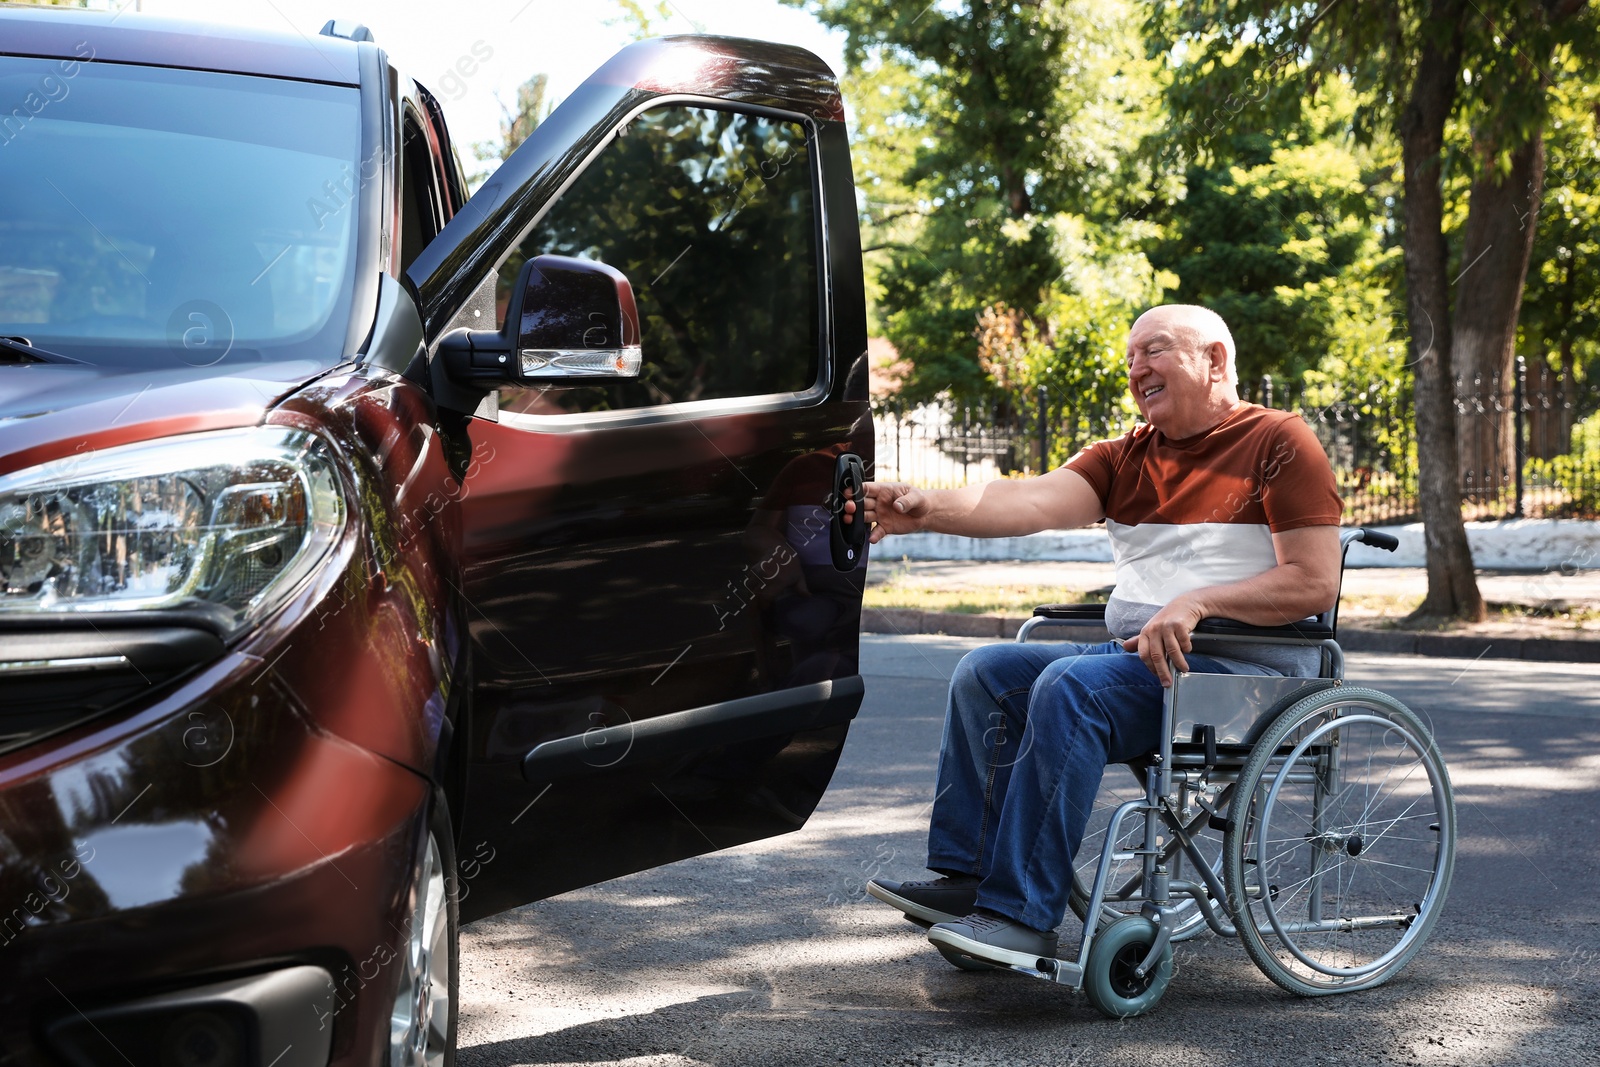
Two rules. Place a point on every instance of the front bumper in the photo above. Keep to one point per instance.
(275, 1018)
(218, 834)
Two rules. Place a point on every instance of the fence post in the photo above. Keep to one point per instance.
(1517, 388)
(1044, 429)
(1266, 390)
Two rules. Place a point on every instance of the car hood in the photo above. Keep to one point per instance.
(48, 411)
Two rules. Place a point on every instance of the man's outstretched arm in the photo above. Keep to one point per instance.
(1059, 500)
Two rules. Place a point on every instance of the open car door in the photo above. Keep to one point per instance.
(663, 603)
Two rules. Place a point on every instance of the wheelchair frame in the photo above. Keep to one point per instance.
(1298, 740)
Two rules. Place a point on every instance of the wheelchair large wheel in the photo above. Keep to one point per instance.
(1342, 842)
(1123, 893)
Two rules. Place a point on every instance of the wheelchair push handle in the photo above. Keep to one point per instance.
(1375, 538)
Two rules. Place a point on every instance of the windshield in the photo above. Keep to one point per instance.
(159, 217)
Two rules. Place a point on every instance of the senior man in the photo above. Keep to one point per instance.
(1215, 508)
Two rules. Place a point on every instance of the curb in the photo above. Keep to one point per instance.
(1351, 638)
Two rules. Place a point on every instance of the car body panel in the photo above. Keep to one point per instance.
(51, 412)
(597, 613)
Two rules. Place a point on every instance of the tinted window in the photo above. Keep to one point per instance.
(419, 214)
(152, 215)
(709, 213)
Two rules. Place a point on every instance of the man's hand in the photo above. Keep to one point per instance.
(890, 507)
(1167, 634)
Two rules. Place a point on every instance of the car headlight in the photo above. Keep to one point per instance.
(225, 523)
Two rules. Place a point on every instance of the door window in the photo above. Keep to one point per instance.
(420, 215)
(710, 214)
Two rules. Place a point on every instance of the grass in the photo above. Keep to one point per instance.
(1577, 614)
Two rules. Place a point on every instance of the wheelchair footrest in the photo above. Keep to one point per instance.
(1059, 971)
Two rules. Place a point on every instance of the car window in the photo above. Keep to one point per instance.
(710, 214)
(153, 215)
(420, 217)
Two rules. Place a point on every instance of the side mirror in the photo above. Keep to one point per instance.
(569, 320)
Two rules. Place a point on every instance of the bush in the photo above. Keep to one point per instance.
(1576, 474)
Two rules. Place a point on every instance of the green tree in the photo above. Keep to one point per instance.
(1561, 309)
(992, 140)
(1419, 64)
(1274, 234)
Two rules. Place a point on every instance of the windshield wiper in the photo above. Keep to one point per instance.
(21, 346)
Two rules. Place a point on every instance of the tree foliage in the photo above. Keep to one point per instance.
(993, 140)
(1561, 308)
(1277, 232)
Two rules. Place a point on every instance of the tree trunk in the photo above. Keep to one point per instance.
(1496, 245)
(1452, 584)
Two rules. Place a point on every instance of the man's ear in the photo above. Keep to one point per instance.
(1217, 353)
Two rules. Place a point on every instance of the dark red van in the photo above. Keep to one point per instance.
(374, 557)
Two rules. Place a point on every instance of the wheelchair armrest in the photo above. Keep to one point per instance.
(1305, 629)
(1075, 612)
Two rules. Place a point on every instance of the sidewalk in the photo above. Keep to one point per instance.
(1373, 605)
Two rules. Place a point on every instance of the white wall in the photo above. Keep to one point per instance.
(1510, 544)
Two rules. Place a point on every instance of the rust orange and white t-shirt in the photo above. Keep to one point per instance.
(1201, 511)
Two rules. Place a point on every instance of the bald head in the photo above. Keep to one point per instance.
(1196, 326)
(1181, 369)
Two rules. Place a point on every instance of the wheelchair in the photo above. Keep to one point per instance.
(1310, 819)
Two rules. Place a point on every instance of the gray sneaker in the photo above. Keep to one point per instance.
(940, 900)
(989, 938)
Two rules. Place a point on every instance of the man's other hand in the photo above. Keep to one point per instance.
(1167, 635)
(890, 508)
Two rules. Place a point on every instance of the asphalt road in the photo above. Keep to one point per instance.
(771, 954)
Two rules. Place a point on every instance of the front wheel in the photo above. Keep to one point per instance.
(1111, 979)
(422, 1025)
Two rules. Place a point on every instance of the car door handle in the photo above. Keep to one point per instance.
(847, 539)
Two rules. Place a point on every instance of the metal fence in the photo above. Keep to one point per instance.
(1518, 454)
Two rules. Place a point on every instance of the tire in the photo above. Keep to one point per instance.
(422, 1023)
(1109, 978)
(1118, 786)
(1342, 843)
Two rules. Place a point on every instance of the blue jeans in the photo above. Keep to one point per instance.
(1027, 736)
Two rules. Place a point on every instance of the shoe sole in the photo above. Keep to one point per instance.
(979, 952)
(917, 913)
(962, 961)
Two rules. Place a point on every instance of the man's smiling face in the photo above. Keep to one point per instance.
(1172, 376)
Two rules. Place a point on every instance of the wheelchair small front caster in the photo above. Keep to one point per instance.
(1111, 979)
